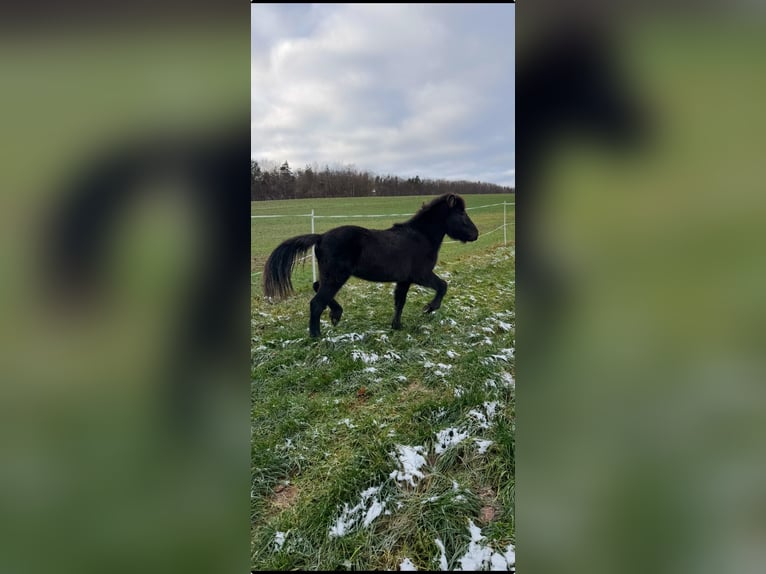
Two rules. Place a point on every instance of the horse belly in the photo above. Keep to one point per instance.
(383, 268)
(380, 274)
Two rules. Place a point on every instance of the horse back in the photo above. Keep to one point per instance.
(396, 254)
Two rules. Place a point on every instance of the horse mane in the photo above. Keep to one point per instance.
(433, 205)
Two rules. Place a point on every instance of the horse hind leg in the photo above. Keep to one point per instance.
(336, 311)
(400, 296)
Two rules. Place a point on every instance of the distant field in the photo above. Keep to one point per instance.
(374, 449)
(266, 234)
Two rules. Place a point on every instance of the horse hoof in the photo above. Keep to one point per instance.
(396, 326)
(335, 319)
(429, 309)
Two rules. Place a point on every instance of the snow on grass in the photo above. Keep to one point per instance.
(447, 438)
(346, 337)
(347, 422)
(367, 358)
(502, 355)
(478, 556)
(279, 540)
(407, 565)
(367, 510)
(483, 445)
(484, 418)
(442, 555)
(410, 460)
(507, 379)
(452, 354)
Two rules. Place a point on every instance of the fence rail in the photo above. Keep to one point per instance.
(314, 217)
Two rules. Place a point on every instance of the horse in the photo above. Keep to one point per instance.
(405, 254)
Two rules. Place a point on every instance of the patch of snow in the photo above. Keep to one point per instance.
(401, 378)
(481, 557)
(279, 540)
(368, 358)
(510, 556)
(484, 418)
(478, 556)
(504, 326)
(368, 509)
(370, 370)
(483, 445)
(411, 461)
(442, 555)
(407, 565)
(452, 354)
(458, 391)
(447, 438)
(347, 422)
(346, 337)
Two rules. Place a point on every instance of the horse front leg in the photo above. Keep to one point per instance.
(439, 285)
(400, 296)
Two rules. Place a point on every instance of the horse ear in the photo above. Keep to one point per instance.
(451, 200)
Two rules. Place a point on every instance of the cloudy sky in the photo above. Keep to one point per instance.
(400, 89)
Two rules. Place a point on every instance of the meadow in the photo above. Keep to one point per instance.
(375, 449)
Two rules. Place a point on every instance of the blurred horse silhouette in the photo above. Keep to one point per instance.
(213, 322)
(570, 85)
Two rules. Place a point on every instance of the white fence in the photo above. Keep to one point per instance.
(314, 217)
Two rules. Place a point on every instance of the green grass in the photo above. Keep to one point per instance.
(327, 415)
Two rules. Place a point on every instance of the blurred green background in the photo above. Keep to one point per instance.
(641, 417)
(93, 478)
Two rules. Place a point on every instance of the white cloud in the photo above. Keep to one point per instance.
(396, 88)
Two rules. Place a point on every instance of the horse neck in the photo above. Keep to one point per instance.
(433, 230)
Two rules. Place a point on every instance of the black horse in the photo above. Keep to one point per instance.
(406, 254)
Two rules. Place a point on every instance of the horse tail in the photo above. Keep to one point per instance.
(279, 265)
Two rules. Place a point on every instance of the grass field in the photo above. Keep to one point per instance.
(375, 449)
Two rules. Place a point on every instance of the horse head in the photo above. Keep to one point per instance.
(458, 225)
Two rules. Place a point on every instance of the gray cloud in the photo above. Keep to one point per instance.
(402, 89)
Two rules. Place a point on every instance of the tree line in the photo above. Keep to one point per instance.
(283, 182)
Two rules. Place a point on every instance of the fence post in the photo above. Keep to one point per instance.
(313, 258)
(505, 227)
